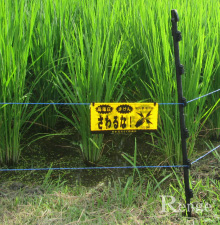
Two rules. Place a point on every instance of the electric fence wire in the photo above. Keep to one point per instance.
(116, 167)
(205, 154)
(61, 103)
(203, 96)
(95, 168)
(41, 103)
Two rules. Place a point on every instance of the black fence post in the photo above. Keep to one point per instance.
(184, 132)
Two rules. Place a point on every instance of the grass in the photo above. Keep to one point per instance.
(117, 202)
(141, 197)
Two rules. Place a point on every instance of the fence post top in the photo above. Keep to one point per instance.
(175, 16)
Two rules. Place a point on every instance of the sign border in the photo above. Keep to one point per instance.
(121, 131)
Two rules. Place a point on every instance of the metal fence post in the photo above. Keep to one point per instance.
(184, 132)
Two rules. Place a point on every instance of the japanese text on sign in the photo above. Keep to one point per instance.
(123, 117)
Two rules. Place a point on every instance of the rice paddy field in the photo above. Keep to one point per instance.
(83, 51)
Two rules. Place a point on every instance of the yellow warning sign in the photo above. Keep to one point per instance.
(123, 117)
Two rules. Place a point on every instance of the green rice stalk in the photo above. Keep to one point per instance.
(48, 45)
(198, 48)
(16, 29)
(95, 68)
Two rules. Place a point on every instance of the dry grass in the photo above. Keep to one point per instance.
(106, 203)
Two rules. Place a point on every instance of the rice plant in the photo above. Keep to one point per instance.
(80, 51)
(16, 29)
(95, 68)
(48, 55)
(153, 41)
(213, 101)
(201, 48)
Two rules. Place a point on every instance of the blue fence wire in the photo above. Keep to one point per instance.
(41, 103)
(205, 154)
(92, 168)
(203, 96)
(61, 103)
(170, 104)
(115, 167)
(95, 168)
